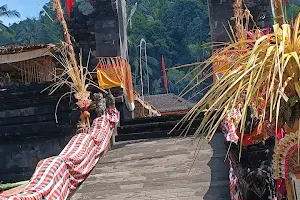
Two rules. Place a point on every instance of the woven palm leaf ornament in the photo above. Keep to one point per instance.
(284, 160)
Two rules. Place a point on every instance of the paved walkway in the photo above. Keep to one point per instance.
(158, 169)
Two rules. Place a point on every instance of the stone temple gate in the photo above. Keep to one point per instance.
(100, 26)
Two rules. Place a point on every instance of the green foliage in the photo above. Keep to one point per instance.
(292, 9)
(27, 31)
(51, 30)
(157, 86)
(175, 81)
(4, 12)
(176, 29)
(36, 30)
(8, 13)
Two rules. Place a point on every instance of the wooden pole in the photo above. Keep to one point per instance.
(278, 12)
(61, 19)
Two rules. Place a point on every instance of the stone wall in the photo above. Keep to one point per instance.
(28, 131)
(103, 30)
(220, 11)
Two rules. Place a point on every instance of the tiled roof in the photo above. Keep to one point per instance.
(169, 102)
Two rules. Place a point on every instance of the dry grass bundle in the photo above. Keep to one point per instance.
(262, 74)
(77, 78)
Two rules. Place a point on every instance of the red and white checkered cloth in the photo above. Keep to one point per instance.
(235, 192)
(229, 125)
(56, 177)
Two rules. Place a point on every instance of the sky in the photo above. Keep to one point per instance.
(27, 8)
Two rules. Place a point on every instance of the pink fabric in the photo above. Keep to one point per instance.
(280, 183)
(229, 128)
(280, 134)
(235, 192)
(56, 177)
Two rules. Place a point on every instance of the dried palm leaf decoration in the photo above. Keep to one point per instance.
(261, 71)
(75, 76)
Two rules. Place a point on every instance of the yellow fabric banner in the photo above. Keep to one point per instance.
(115, 72)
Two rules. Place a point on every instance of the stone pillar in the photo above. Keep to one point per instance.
(100, 25)
(107, 29)
(122, 16)
(220, 12)
(110, 28)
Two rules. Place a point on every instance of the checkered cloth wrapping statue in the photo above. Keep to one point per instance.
(56, 177)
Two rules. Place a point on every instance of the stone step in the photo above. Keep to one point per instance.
(33, 110)
(30, 87)
(63, 117)
(153, 126)
(152, 134)
(27, 90)
(34, 130)
(154, 119)
(19, 103)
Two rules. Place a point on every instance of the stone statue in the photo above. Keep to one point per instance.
(110, 100)
(99, 104)
(6, 80)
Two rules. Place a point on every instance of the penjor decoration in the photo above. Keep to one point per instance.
(256, 101)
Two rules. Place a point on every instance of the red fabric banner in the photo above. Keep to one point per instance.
(164, 74)
(69, 4)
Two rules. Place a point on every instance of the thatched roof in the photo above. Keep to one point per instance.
(12, 49)
(169, 102)
(17, 53)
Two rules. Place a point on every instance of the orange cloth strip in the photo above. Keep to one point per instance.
(116, 72)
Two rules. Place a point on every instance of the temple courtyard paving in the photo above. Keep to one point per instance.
(159, 169)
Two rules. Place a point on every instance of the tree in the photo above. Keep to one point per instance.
(4, 12)
(51, 30)
(156, 86)
(147, 64)
(187, 23)
(176, 29)
(28, 31)
(38, 30)
(176, 81)
(293, 8)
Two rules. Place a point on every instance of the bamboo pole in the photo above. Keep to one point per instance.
(61, 19)
(278, 12)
